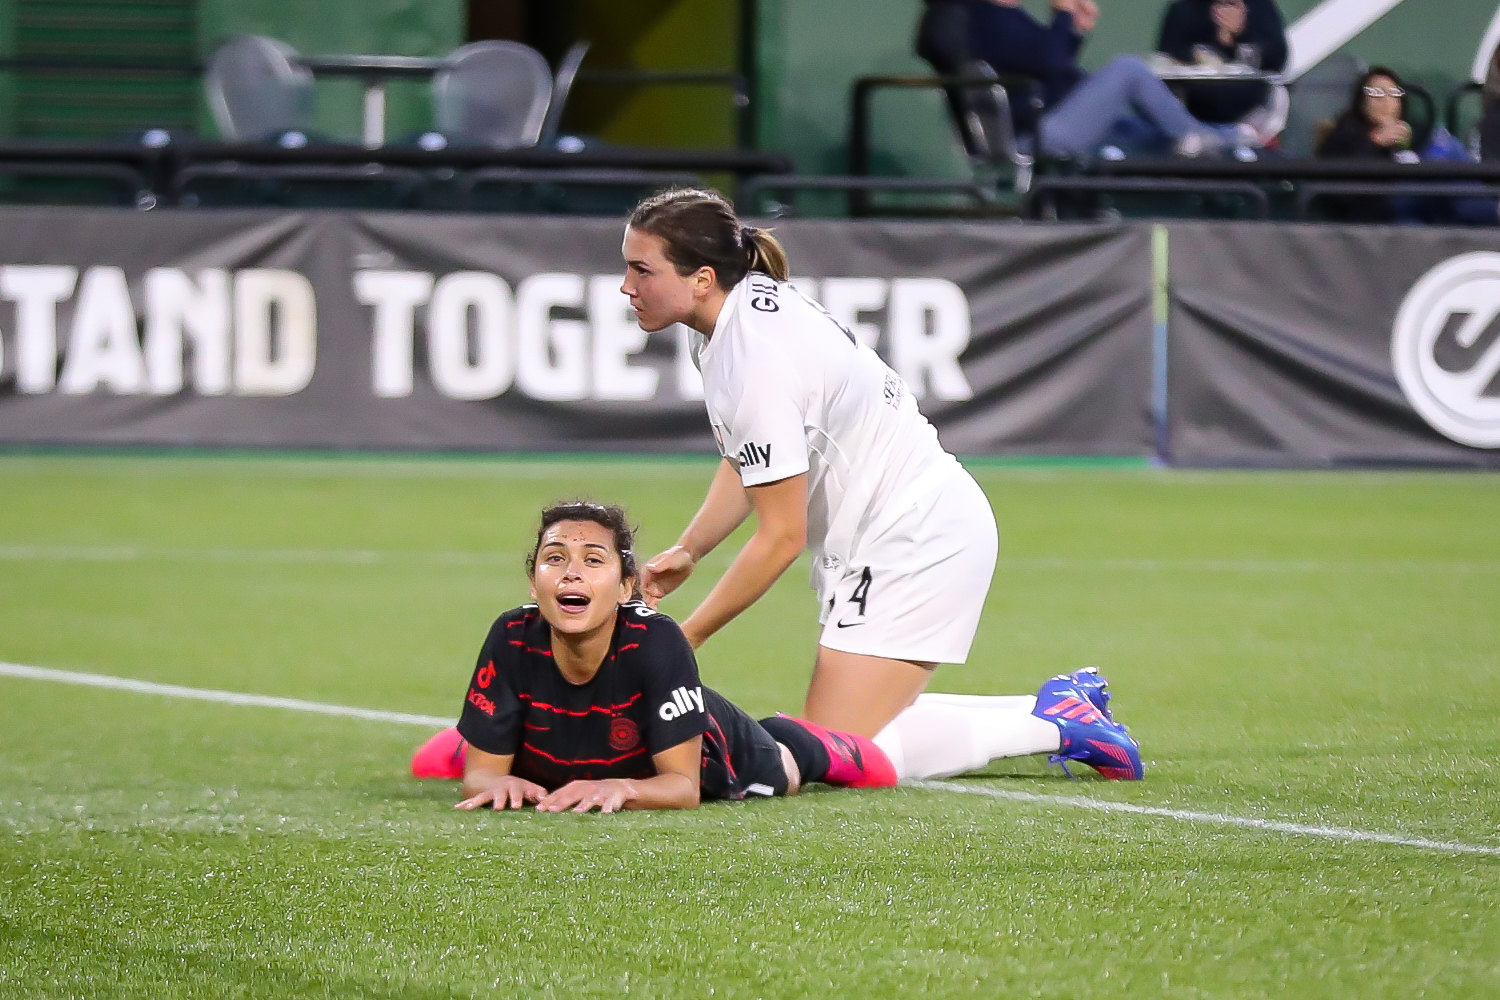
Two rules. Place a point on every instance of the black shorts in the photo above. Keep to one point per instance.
(740, 759)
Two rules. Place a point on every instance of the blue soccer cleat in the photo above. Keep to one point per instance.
(1079, 704)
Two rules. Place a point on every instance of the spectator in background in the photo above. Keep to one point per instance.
(1374, 127)
(1122, 104)
(1231, 31)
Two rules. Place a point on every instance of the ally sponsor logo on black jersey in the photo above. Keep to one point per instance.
(683, 701)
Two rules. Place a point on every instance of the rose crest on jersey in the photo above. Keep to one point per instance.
(623, 733)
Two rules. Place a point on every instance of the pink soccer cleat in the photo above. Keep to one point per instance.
(853, 761)
(440, 757)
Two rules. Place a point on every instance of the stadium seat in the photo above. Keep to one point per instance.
(1318, 97)
(1466, 127)
(987, 125)
(493, 93)
(258, 90)
(562, 86)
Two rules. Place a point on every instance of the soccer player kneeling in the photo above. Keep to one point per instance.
(588, 699)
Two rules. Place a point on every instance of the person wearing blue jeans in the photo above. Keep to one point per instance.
(1123, 103)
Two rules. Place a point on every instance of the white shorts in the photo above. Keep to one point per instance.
(916, 590)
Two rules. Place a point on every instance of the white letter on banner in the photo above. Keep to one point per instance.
(916, 353)
(177, 308)
(846, 298)
(395, 296)
(275, 332)
(459, 372)
(616, 337)
(103, 348)
(36, 291)
(541, 336)
(689, 379)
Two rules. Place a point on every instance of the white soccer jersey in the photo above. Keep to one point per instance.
(788, 390)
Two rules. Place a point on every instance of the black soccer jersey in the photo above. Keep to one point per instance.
(645, 698)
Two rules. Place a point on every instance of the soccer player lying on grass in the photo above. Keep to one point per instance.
(588, 699)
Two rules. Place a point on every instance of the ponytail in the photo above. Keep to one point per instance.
(766, 254)
(699, 229)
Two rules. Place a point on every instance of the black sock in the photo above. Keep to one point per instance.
(807, 750)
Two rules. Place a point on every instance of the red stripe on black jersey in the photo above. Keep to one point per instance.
(606, 709)
(528, 748)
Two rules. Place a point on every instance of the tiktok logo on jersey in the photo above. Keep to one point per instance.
(683, 701)
(753, 454)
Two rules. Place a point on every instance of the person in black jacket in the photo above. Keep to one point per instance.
(1374, 127)
(1243, 31)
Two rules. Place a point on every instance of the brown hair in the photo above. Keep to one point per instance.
(700, 229)
(609, 516)
(1357, 97)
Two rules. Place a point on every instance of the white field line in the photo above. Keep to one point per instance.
(350, 557)
(1216, 819)
(372, 557)
(223, 697)
(433, 721)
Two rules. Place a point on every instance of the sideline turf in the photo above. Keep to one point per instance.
(1307, 647)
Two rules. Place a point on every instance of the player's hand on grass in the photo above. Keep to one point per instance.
(607, 796)
(509, 792)
(665, 573)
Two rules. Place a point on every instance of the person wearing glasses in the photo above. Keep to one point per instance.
(1249, 32)
(1374, 127)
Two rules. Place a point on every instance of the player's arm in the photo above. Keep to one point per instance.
(724, 509)
(780, 536)
(490, 724)
(674, 786)
(488, 782)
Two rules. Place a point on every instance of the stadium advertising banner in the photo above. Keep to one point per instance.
(385, 330)
(1323, 345)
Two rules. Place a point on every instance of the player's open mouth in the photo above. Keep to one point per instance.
(574, 603)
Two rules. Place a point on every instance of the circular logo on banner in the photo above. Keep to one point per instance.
(1446, 348)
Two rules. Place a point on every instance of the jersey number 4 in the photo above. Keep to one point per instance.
(860, 595)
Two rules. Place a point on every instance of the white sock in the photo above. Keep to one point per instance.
(939, 737)
(1023, 703)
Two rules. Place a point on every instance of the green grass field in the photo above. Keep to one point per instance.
(1311, 648)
